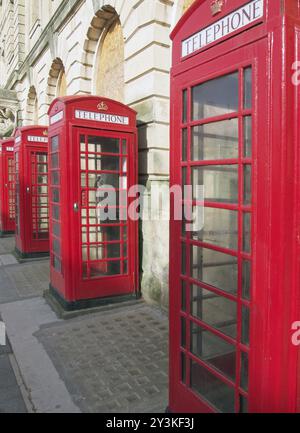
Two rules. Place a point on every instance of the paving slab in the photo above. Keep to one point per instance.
(46, 389)
(113, 362)
(7, 245)
(8, 260)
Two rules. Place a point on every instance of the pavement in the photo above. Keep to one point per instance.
(112, 361)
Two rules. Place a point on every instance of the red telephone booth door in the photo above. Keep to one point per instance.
(211, 291)
(103, 229)
(37, 208)
(8, 216)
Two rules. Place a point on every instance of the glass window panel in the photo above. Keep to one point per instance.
(244, 371)
(82, 143)
(55, 178)
(216, 97)
(125, 267)
(55, 195)
(245, 325)
(184, 177)
(183, 332)
(220, 183)
(247, 232)
(56, 247)
(184, 106)
(212, 389)
(183, 367)
(246, 280)
(247, 184)
(216, 311)
(214, 268)
(219, 140)
(248, 137)
(42, 158)
(57, 264)
(105, 163)
(103, 269)
(54, 144)
(183, 295)
(184, 144)
(125, 238)
(56, 212)
(54, 162)
(124, 147)
(214, 351)
(56, 229)
(83, 162)
(248, 88)
(183, 259)
(220, 228)
(124, 165)
(43, 168)
(103, 145)
(42, 180)
(243, 404)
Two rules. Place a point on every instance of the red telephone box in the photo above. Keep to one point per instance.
(7, 187)
(93, 154)
(32, 203)
(234, 281)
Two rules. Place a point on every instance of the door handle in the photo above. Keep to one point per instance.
(76, 207)
(28, 190)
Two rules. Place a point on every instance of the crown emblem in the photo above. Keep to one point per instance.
(216, 6)
(45, 132)
(102, 106)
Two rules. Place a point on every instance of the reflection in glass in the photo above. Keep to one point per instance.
(245, 325)
(248, 137)
(248, 88)
(184, 106)
(220, 183)
(247, 232)
(215, 97)
(103, 145)
(247, 184)
(183, 332)
(214, 268)
(220, 228)
(246, 287)
(184, 144)
(219, 140)
(214, 310)
(212, 389)
(244, 371)
(54, 144)
(213, 350)
(183, 367)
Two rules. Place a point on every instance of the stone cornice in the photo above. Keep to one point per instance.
(61, 15)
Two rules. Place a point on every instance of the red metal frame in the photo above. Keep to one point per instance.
(84, 262)
(7, 186)
(32, 202)
(270, 47)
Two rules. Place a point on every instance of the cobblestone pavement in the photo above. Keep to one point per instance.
(113, 362)
(11, 399)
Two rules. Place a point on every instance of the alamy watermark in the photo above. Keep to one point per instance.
(2, 334)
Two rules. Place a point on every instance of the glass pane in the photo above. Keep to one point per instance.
(247, 184)
(56, 229)
(246, 280)
(54, 144)
(213, 351)
(245, 325)
(220, 183)
(55, 178)
(216, 311)
(244, 371)
(218, 140)
(247, 232)
(248, 88)
(184, 177)
(216, 97)
(54, 162)
(103, 145)
(220, 228)
(212, 389)
(184, 106)
(103, 269)
(183, 259)
(183, 332)
(183, 295)
(183, 368)
(55, 195)
(214, 268)
(243, 404)
(57, 264)
(184, 144)
(56, 212)
(248, 137)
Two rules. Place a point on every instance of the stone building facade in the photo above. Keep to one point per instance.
(120, 49)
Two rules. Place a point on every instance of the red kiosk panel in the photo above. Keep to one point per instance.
(234, 280)
(93, 157)
(7, 187)
(32, 202)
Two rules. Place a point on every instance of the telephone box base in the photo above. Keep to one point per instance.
(21, 255)
(6, 234)
(63, 308)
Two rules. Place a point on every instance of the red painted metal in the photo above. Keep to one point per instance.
(32, 203)
(7, 186)
(269, 47)
(89, 146)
